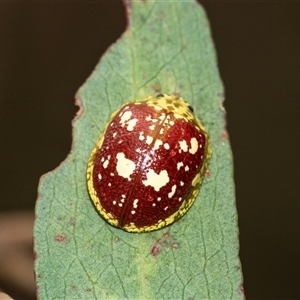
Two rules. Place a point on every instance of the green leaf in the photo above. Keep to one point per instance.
(166, 48)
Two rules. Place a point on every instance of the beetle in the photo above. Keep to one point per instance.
(147, 166)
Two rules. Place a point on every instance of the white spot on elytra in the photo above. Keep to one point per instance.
(149, 139)
(179, 199)
(131, 124)
(138, 150)
(109, 184)
(166, 146)
(114, 134)
(159, 198)
(173, 189)
(181, 183)
(102, 159)
(183, 145)
(194, 146)
(114, 202)
(125, 167)
(141, 136)
(179, 165)
(186, 168)
(135, 202)
(112, 174)
(122, 200)
(123, 196)
(166, 208)
(162, 116)
(133, 212)
(125, 117)
(105, 164)
(171, 123)
(156, 107)
(125, 120)
(157, 144)
(153, 204)
(120, 204)
(155, 180)
(99, 176)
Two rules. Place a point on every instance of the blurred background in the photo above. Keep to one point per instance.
(47, 50)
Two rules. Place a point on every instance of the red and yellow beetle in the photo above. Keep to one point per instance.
(147, 167)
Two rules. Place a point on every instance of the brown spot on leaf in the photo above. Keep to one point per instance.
(176, 94)
(60, 238)
(165, 242)
(242, 291)
(175, 246)
(224, 135)
(156, 88)
(207, 173)
(155, 250)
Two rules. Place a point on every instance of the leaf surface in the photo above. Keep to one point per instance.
(166, 48)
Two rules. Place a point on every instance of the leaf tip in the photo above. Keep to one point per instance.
(127, 4)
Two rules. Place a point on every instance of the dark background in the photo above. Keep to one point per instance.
(47, 50)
